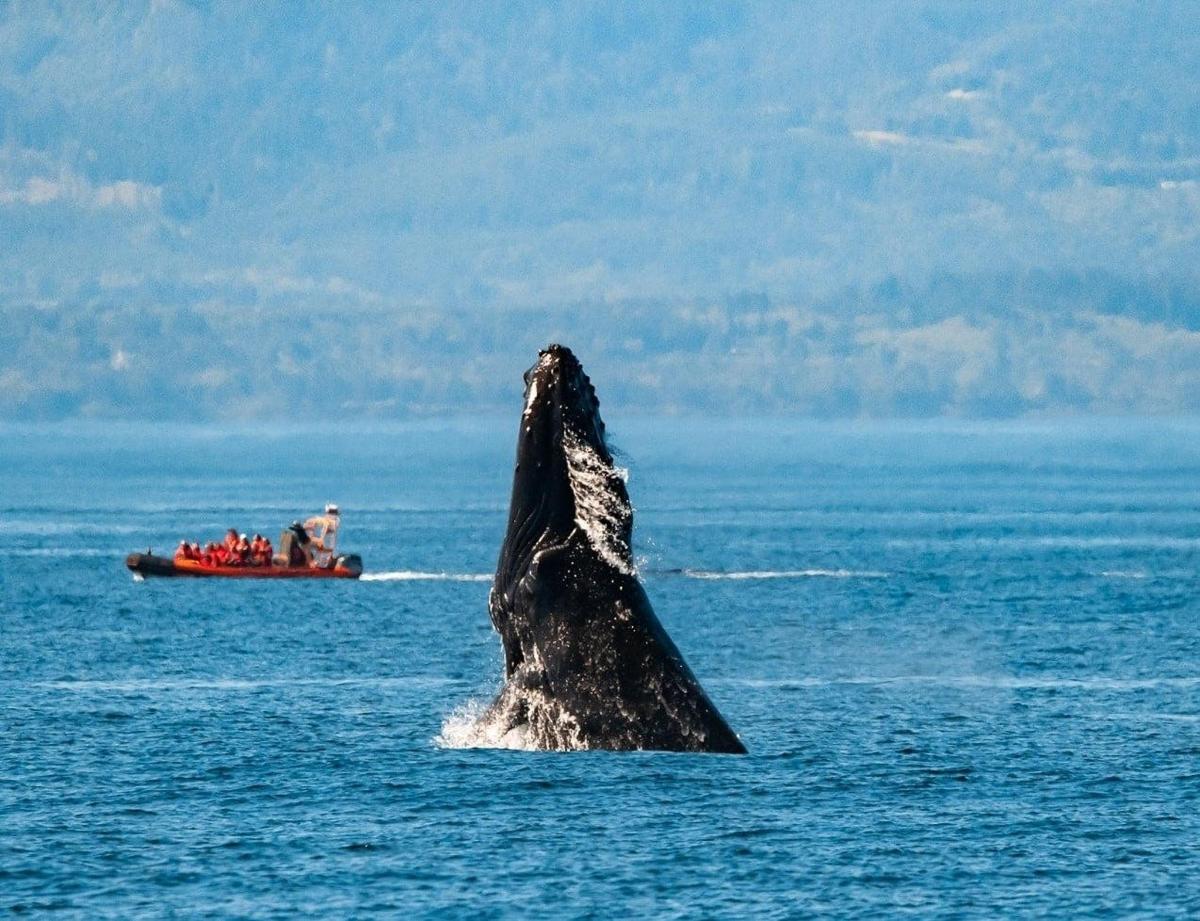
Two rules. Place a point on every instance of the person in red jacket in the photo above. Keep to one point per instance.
(242, 551)
(260, 551)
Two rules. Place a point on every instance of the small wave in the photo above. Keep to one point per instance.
(787, 574)
(66, 552)
(1143, 716)
(1123, 574)
(63, 551)
(149, 685)
(38, 528)
(1054, 542)
(405, 575)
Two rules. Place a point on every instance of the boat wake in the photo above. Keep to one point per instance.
(786, 574)
(1097, 683)
(405, 575)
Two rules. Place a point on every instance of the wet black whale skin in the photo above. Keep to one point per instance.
(587, 663)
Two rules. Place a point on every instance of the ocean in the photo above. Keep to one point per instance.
(964, 657)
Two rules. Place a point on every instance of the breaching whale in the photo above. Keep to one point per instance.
(587, 665)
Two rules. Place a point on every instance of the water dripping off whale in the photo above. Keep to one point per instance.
(587, 665)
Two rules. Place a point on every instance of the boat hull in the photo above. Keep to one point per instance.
(146, 564)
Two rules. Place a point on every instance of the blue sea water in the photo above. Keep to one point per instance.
(965, 659)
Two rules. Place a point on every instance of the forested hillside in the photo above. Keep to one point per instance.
(989, 346)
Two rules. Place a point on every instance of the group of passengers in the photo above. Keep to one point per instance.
(234, 550)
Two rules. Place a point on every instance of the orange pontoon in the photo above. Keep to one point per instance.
(146, 564)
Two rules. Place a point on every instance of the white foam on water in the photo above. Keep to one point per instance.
(788, 574)
(600, 510)
(466, 727)
(520, 718)
(406, 575)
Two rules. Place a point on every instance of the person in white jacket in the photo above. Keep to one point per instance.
(322, 530)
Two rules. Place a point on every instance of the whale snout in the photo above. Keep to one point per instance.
(560, 351)
(556, 366)
(558, 391)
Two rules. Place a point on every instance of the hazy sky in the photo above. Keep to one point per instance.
(515, 154)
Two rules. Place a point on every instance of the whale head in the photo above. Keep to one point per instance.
(565, 484)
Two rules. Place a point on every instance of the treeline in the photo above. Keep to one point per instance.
(997, 346)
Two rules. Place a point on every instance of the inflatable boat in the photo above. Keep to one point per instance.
(146, 564)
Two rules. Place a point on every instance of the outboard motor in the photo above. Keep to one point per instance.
(352, 562)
